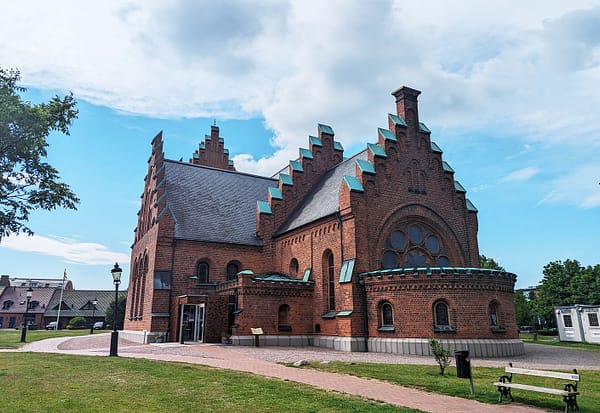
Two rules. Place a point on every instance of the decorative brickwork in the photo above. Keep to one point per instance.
(377, 252)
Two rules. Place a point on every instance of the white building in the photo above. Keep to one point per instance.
(578, 323)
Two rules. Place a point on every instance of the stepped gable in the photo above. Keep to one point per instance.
(153, 180)
(212, 152)
(298, 180)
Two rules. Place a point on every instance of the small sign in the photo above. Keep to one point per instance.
(256, 331)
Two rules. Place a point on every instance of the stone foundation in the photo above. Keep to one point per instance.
(143, 337)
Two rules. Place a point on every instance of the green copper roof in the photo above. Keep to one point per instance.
(344, 313)
(202, 146)
(347, 270)
(387, 134)
(377, 150)
(398, 121)
(458, 187)
(315, 141)
(338, 146)
(196, 156)
(326, 129)
(278, 278)
(230, 163)
(365, 166)
(286, 179)
(264, 207)
(275, 193)
(221, 140)
(423, 128)
(470, 206)
(435, 148)
(307, 273)
(353, 183)
(226, 151)
(305, 153)
(447, 167)
(296, 166)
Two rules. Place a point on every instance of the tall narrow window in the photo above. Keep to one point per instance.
(493, 314)
(331, 281)
(202, 274)
(387, 315)
(294, 267)
(232, 270)
(441, 314)
(282, 318)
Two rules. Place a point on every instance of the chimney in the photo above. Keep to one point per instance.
(406, 106)
(4, 281)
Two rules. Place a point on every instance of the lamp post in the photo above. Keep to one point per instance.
(93, 315)
(24, 328)
(114, 337)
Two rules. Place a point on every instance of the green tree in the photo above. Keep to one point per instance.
(485, 262)
(110, 311)
(523, 309)
(26, 181)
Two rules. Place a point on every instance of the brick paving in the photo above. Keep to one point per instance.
(263, 361)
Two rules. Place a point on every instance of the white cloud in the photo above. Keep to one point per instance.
(480, 65)
(579, 187)
(86, 253)
(520, 175)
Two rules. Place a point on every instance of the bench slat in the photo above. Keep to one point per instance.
(542, 373)
(536, 388)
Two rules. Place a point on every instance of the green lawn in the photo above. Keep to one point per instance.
(36, 382)
(428, 378)
(553, 341)
(11, 339)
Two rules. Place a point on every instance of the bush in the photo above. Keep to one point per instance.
(441, 355)
(77, 323)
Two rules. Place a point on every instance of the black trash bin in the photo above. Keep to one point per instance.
(463, 364)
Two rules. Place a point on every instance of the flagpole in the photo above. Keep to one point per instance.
(62, 290)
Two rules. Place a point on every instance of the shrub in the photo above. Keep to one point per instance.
(77, 323)
(441, 355)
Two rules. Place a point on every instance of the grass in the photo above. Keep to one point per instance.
(11, 339)
(428, 378)
(36, 382)
(553, 341)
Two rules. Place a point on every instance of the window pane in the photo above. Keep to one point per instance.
(441, 314)
(398, 240)
(493, 315)
(388, 316)
(433, 244)
(389, 260)
(203, 272)
(567, 320)
(416, 236)
(593, 318)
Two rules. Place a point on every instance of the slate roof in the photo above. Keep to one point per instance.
(214, 205)
(79, 303)
(18, 296)
(323, 200)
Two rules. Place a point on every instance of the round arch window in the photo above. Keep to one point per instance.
(413, 245)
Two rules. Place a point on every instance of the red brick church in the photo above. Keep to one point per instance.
(374, 252)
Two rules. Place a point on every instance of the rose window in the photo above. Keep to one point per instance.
(413, 245)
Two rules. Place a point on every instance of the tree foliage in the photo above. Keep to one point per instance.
(26, 181)
(440, 354)
(485, 262)
(110, 311)
(567, 283)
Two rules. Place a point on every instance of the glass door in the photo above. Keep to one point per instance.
(191, 328)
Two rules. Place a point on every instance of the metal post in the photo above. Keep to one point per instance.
(114, 337)
(24, 327)
(93, 316)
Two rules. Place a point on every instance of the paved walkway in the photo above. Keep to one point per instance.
(263, 361)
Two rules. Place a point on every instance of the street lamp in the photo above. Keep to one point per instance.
(114, 338)
(24, 328)
(93, 315)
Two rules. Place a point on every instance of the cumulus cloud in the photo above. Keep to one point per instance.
(295, 63)
(85, 253)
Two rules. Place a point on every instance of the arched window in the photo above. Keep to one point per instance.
(387, 315)
(202, 272)
(282, 318)
(329, 279)
(294, 267)
(414, 245)
(440, 313)
(232, 270)
(492, 310)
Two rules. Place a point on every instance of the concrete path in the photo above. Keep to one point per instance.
(263, 361)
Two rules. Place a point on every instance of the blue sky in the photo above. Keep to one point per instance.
(511, 98)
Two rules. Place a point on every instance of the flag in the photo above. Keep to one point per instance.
(65, 274)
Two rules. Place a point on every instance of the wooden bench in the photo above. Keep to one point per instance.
(569, 391)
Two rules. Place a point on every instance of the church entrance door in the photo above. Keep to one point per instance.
(191, 327)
